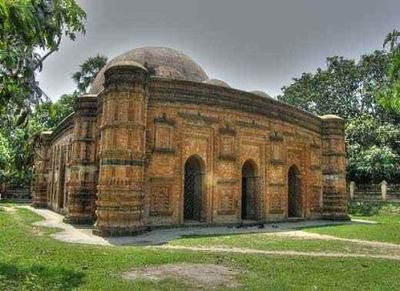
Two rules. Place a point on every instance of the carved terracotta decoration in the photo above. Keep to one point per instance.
(156, 143)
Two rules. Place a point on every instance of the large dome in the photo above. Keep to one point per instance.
(164, 62)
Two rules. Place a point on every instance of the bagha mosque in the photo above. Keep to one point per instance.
(157, 143)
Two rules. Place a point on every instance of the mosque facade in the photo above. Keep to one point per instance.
(157, 143)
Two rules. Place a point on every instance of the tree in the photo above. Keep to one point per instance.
(64, 106)
(388, 94)
(4, 158)
(348, 88)
(16, 152)
(16, 143)
(88, 71)
(372, 165)
(392, 39)
(372, 149)
(31, 30)
(345, 88)
(50, 114)
(27, 28)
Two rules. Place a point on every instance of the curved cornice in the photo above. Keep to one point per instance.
(181, 91)
(66, 124)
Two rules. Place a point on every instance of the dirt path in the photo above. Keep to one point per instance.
(275, 253)
(68, 233)
(83, 235)
(310, 235)
(9, 209)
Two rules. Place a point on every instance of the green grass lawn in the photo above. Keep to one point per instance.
(31, 260)
(387, 229)
(271, 242)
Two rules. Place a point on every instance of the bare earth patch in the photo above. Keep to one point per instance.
(207, 276)
(9, 209)
(233, 250)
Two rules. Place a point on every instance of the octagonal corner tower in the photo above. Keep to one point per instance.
(157, 143)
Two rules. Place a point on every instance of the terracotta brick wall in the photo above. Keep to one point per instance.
(143, 130)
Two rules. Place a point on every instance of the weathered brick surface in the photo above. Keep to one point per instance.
(83, 168)
(144, 129)
(58, 156)
(42, 169)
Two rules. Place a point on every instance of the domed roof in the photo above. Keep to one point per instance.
(216, 82)
(163, 62)
(261, 93)
(126, 63)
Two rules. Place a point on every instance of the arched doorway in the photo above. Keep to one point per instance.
(294, 192)
(249, 190)
(193, 189)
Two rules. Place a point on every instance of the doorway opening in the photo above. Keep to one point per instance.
(193, 189)
(294, 192)
(249, 191)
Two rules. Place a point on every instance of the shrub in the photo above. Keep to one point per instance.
(373, 208)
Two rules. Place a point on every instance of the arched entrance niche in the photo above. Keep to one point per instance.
(250, 191)
(295, 208)
(61, 180)
(193, 189)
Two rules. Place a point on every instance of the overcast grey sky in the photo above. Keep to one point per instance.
(251, 44)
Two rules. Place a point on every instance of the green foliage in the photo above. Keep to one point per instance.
(348, 89)
(377, 163)
(29, 27)
(31, 30)
(372, 150)
(64, 106)
(5, 156)
(52, 114)
(88, 71)
(29, 260)
(389, 93)
(344, 88)
(392, 39)
(373, 208)
(17, 151)
(16, 142)
(364, 208)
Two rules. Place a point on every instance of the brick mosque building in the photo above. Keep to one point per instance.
(156, 143)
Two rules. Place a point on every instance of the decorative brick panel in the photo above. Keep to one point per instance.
(131, 141)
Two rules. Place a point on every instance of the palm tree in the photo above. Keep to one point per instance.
(392, 39)
(88, 71)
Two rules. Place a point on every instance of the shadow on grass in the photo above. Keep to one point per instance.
(37, 277)
(189, 236)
